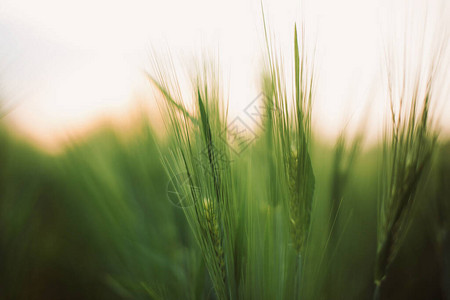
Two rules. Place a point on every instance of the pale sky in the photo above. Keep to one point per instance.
(65, 64)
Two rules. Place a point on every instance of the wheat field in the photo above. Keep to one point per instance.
(217, 209)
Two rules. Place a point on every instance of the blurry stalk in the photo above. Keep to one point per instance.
(409, 144)
(442, 210)
(343, 163)
(269, 131)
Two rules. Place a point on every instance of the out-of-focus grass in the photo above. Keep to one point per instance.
(95, 222)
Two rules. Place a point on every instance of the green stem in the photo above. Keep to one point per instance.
(377, 292)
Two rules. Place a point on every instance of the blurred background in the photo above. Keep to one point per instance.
(84, 212)
(66, 65)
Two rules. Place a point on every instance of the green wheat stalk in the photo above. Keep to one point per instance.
(291, 118)
(409, 144)
(202, 155)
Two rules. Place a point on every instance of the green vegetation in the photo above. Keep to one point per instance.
(283, 216)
